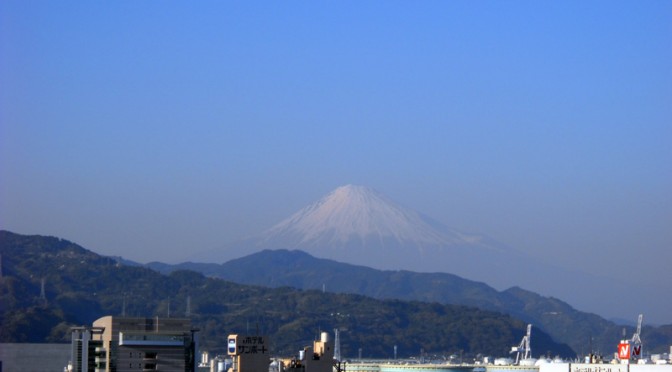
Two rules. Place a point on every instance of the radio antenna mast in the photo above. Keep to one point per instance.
(188, 312)
(43, 293)
(337, 345)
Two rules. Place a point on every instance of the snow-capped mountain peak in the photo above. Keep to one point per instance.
(359, 216)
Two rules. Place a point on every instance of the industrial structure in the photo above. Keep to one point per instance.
(631, 350)
(318, 358)
(524, 347)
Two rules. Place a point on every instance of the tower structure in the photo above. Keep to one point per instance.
(43, 293)
(337, 345)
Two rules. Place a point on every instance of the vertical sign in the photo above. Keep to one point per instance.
(623, 351)
(238, 345)
(232, 345)
(636, 351)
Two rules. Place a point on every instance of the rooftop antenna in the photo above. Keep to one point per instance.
(123, 305)
(169, 308)
(188, 312)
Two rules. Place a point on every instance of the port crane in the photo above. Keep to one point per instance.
(524, 346)
(636, 341)
(632, 349)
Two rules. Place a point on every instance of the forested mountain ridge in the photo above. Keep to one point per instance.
(298, 269)
(81, 286)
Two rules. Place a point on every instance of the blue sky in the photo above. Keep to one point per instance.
(150, 129)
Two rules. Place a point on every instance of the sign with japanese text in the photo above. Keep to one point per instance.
(239, 345)
(581, 367)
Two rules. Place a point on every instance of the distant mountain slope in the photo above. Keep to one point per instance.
(361, 226)
(359, 217)
(300, 270)
(81, 286)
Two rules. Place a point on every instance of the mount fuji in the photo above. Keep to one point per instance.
(359, 225)
(359, 220)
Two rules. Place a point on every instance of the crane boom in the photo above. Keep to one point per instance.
(635, 337)
(636, 340)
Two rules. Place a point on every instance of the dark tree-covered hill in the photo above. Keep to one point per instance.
(580, 330)
(81, 286)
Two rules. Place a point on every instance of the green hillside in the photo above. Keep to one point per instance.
(81, 286)
(580, 330)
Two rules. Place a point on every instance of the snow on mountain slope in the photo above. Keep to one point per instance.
(359, 225)
(359, 212)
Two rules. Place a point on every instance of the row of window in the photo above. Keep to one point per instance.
(148, 355)
(145, 367)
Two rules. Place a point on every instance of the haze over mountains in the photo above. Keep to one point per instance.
(297, 269)
(359, 225)
(50, 284)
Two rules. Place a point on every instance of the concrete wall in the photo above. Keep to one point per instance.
(34, 357)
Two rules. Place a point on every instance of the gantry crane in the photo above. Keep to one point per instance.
(524, 346)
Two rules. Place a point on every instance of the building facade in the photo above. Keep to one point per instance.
(318, 358)
(249, 353)
(121, 344)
